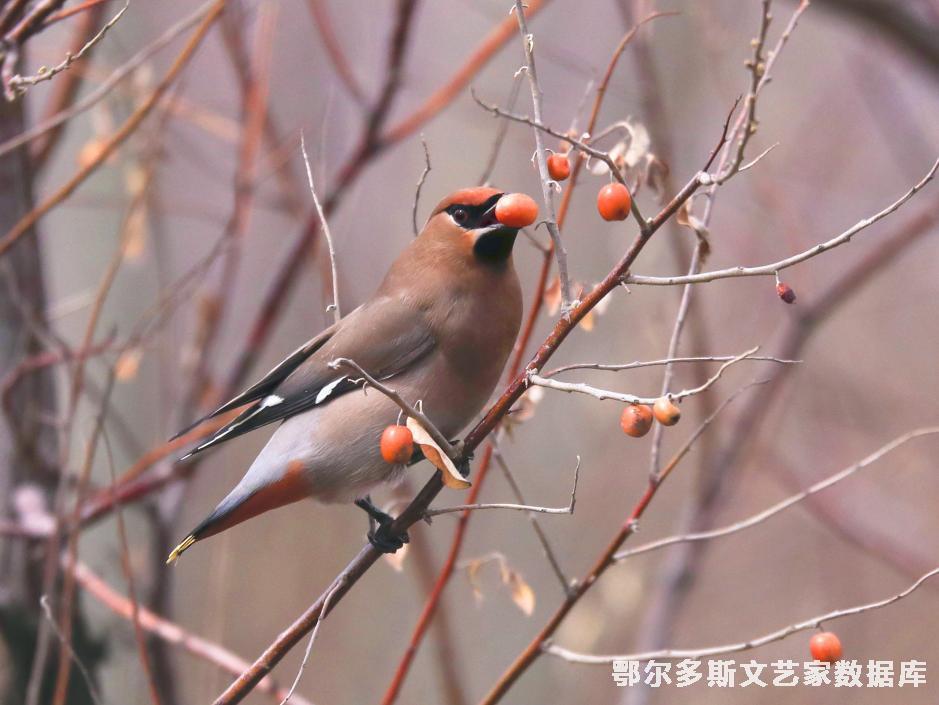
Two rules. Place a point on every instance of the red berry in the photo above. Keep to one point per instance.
(559, 167)
(397, 445)
(636, 420)
(786, 293)
(516, 210)
(666, 413)
(614, 202)
(825, 646)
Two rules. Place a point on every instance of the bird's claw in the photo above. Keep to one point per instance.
(385, 539)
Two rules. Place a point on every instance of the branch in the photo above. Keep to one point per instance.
(657, 363)
(602, 394)
(420, 185)
(773, 268)
(110, 145)
(778, 635)
(411, 411)
(547, 183)
(760, 517)
(17, 84)
(569, 509)
(324, 224)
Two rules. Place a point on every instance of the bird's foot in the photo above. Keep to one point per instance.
(384, 538)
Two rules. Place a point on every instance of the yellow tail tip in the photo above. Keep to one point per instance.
(176, 552)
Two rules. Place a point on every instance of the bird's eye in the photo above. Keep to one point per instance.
(460, 216)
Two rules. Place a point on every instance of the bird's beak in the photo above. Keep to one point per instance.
(490, 226)
(493, 240)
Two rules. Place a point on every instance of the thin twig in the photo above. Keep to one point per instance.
(774, 267)
(406, 407)
(569, 509)
(762, 516)
(549, 552)
(420, 185)
(340, 581)
(67, 648)
(110, 145)
(657, 363)
(603, 394)
(324, 224)
(547, 183)
(778, 635)
(95, 95)
(17, 84)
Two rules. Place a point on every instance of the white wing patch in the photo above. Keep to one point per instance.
(327, 390)
(271, 400)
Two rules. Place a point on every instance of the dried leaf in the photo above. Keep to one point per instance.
(472, 574)
(451, 476)
(638, 144)
(522, 594)
(128, 364)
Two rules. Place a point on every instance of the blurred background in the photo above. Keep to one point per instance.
(175, 245)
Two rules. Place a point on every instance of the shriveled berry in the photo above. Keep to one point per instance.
(785, 292)
(636, 420)
(666, 412)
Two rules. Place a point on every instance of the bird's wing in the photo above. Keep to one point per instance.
(269, 382)
(385, 337)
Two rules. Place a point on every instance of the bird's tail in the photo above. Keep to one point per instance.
(248, 500)
(178, 551)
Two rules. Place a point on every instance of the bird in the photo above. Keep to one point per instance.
(438, 330)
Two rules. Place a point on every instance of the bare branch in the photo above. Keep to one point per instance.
(547, 183)
(420, 185)
(603, 394)
(657, 363)
(769, 270)
(334, 306)
(340, 582)
(762, 516)
(779, 634)
(411, 411)
(17, 84)
(569, 509)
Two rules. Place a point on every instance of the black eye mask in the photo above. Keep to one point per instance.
(472, 217)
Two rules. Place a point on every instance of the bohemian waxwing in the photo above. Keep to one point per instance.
(439, 330)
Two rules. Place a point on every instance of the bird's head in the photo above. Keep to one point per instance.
(466, 220)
